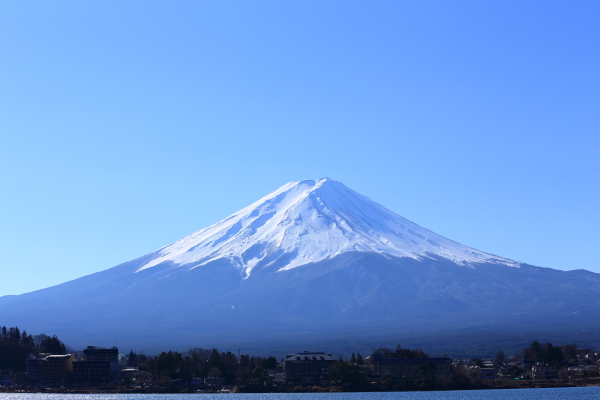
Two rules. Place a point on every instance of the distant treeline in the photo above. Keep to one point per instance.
(250, 372)
(15, 347)
(558, 356)
(203, 363)
(399, 353)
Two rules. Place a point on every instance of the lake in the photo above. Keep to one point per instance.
(581, 393)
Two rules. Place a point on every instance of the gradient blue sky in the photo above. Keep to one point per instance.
(125, 126)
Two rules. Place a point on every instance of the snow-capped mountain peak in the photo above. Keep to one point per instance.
(309, 221)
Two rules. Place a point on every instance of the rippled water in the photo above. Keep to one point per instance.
(582, 393)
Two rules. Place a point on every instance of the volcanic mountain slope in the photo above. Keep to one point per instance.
(312, 261)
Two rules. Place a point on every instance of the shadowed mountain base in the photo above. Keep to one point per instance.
(353, 302)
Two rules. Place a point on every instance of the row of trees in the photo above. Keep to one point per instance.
(558, 356)
(202, 363)
(39, 343)
(401, 352)
(248, 372)
(16, 346)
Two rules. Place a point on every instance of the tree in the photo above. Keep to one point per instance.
(214, 360)
(261, 375)
(359, 359)
(386, 352)
(403, 353)
(142, 377)
(269, 363)
(554, 355)
(26, 339)
(16, 345)
(545, 353)
(132, 360)
(569, 352)
(52, 345)
(353, 359)
(345, 372)
(427, 369)
(535, 352)
(198, 353)
(166, 365)
(500, 357)
(14, 335)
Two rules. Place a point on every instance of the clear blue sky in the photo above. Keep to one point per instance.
(125, 126)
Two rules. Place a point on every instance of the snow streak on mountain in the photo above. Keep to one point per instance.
(307, 222)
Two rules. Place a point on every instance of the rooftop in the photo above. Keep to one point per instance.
(310, 356)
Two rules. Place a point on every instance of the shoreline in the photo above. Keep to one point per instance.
(593, 382)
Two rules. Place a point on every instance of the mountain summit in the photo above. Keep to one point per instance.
(315, 264)
(310, 221)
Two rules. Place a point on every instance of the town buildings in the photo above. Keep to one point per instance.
(541, 371)
(99, 367)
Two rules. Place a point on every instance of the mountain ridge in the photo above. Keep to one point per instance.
(232, 283)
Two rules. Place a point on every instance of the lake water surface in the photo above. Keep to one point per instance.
(582, 393)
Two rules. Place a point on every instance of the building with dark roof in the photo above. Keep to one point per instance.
(97, 354)
(307, 367)
(55, 369)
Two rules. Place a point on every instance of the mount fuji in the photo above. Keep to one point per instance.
(307, 222)
(315, 263)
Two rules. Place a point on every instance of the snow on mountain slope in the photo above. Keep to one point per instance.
(310, 221)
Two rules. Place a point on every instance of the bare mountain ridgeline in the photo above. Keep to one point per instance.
(315, 262)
